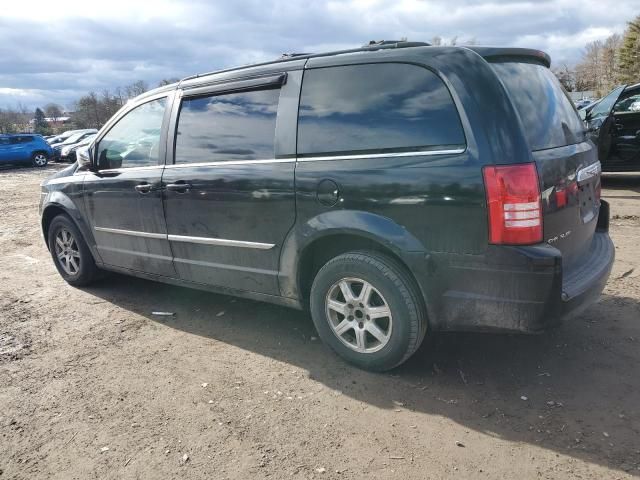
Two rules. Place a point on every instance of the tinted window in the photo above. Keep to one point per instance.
(235, 126)
(547, 115)
(629, 102)
(24, 139)
(134, 141)
(387, 106)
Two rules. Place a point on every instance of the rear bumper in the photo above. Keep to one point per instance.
(524, 289)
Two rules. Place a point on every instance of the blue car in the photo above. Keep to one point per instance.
(25, 148)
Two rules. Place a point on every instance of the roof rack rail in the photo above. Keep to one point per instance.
(287, 57)
(292, 55)
(403, 43)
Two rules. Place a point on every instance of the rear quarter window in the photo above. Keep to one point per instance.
(382, 107)
(547, 115)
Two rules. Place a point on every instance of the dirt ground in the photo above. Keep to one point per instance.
(94, 386)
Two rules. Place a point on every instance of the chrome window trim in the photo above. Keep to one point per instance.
(292, 160)
(129, 169)
(231, 162)
(220, 242)
(133, 233)
(421, 153)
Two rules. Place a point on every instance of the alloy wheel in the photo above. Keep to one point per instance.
(359, 315)
(40, 159)
(67, 252)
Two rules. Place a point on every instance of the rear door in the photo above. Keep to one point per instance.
(12, 149)
(4, 149)
(566, 161)
(229, 195)
(601, 124)
(626, 140)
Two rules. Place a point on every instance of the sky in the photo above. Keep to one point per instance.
(57, 51)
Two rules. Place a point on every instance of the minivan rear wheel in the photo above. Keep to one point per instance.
(367, 308)
(39, 159)
(70, 252)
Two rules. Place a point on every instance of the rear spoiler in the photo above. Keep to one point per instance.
(495, 53)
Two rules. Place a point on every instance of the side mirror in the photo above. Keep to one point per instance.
(83, 154)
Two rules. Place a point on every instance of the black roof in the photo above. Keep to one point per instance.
(486, 52)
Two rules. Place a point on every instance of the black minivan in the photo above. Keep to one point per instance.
(393, 189)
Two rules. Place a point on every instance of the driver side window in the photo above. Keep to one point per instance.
(135, 139)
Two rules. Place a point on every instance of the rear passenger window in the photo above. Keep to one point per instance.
(384, 107)
(233, 126)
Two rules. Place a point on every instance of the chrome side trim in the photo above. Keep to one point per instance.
(425, 153)
(220, 242)
(133, 233)
(223, 242)
(586, 173)
(232, 162)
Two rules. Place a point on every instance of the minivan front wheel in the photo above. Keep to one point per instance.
(39, 159)
(366, 307)
(70, 252)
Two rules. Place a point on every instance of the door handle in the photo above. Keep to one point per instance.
(143, 188)
(179, 187)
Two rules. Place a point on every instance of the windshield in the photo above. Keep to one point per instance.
(87, 140)
(547, 114)
(603, 108)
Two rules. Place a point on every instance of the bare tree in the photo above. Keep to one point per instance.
(566, 76)
(136, 88)
(53, 111)
(167, 81)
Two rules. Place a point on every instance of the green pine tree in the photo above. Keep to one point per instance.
(629, 53)
(40, 124)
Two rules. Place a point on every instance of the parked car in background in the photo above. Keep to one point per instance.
(25, 148)
(394, 190)
(614, 126)
(68, 153)
(72, 140)
(580, 104)
(69, 133)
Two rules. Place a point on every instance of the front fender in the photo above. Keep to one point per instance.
(376, 228)
(67, 198)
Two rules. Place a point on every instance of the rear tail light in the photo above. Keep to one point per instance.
(513, 203)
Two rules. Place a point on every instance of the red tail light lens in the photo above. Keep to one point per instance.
(513, 203)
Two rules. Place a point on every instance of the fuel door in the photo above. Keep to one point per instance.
(328, 193)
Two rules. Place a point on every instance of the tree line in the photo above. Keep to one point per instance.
(89, 111)
(605, 63)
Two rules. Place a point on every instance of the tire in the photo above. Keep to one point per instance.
(70, 252)
(39, 159)
(401, 321)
